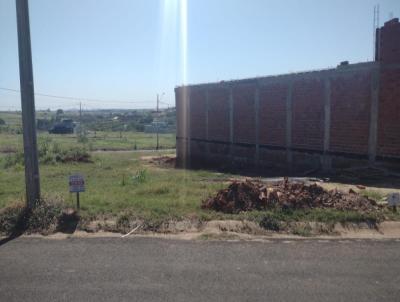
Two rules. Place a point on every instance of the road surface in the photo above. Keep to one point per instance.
(149, 269)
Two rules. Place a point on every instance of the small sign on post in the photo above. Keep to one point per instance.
(76, 185)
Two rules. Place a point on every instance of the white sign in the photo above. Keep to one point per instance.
(76, 183)
(394, 199)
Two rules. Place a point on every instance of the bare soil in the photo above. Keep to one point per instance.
(246, 230)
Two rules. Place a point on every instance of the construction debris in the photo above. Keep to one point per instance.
(132, 231)
(251, 195)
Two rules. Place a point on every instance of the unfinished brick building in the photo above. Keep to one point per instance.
(349, 115)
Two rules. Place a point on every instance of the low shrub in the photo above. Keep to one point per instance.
(10, 217)
(74, 154)
(270, 223)
(43, 218)
(123, 222)
(13, 159)
(82, 138)
(50, 152)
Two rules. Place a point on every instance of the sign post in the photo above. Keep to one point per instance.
(78, 206)
(76, 185)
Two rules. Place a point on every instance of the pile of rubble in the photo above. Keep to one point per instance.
(250, 195)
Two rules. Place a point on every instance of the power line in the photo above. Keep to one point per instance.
(78, 98)
(14, 106)
(9, 89)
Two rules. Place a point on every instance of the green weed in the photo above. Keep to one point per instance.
(372, 194)
(140, 176)
(49, 152)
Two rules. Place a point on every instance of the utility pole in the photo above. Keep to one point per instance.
(32, 180)
(158, 101)
(80, 120)
(158, 118)
(376, 34)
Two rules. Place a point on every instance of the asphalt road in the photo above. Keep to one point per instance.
(145, 269)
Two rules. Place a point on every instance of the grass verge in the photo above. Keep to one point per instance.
(102, 141)
(123, 189)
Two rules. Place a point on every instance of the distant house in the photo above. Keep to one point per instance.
(65, 127)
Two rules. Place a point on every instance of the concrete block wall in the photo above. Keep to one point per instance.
(331, 118)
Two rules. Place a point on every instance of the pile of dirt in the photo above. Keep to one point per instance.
(250, 195)
(165, 161)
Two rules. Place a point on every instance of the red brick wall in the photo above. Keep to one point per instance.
(350, 112)
(218, 118)
(308, 114)
(243, 114)
(389, 113)
(272, 114)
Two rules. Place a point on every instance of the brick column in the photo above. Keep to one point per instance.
(186, 96)
(373, 123)
(326, 158)
(257, 122)
(289, 101)
(231, 134)
(207, 135)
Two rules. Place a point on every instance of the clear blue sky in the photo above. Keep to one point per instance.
(130, 50)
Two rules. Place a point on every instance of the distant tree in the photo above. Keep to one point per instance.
(139, 128)
(2, 122)
(131, 126)
(146, 119)
(59, 114)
